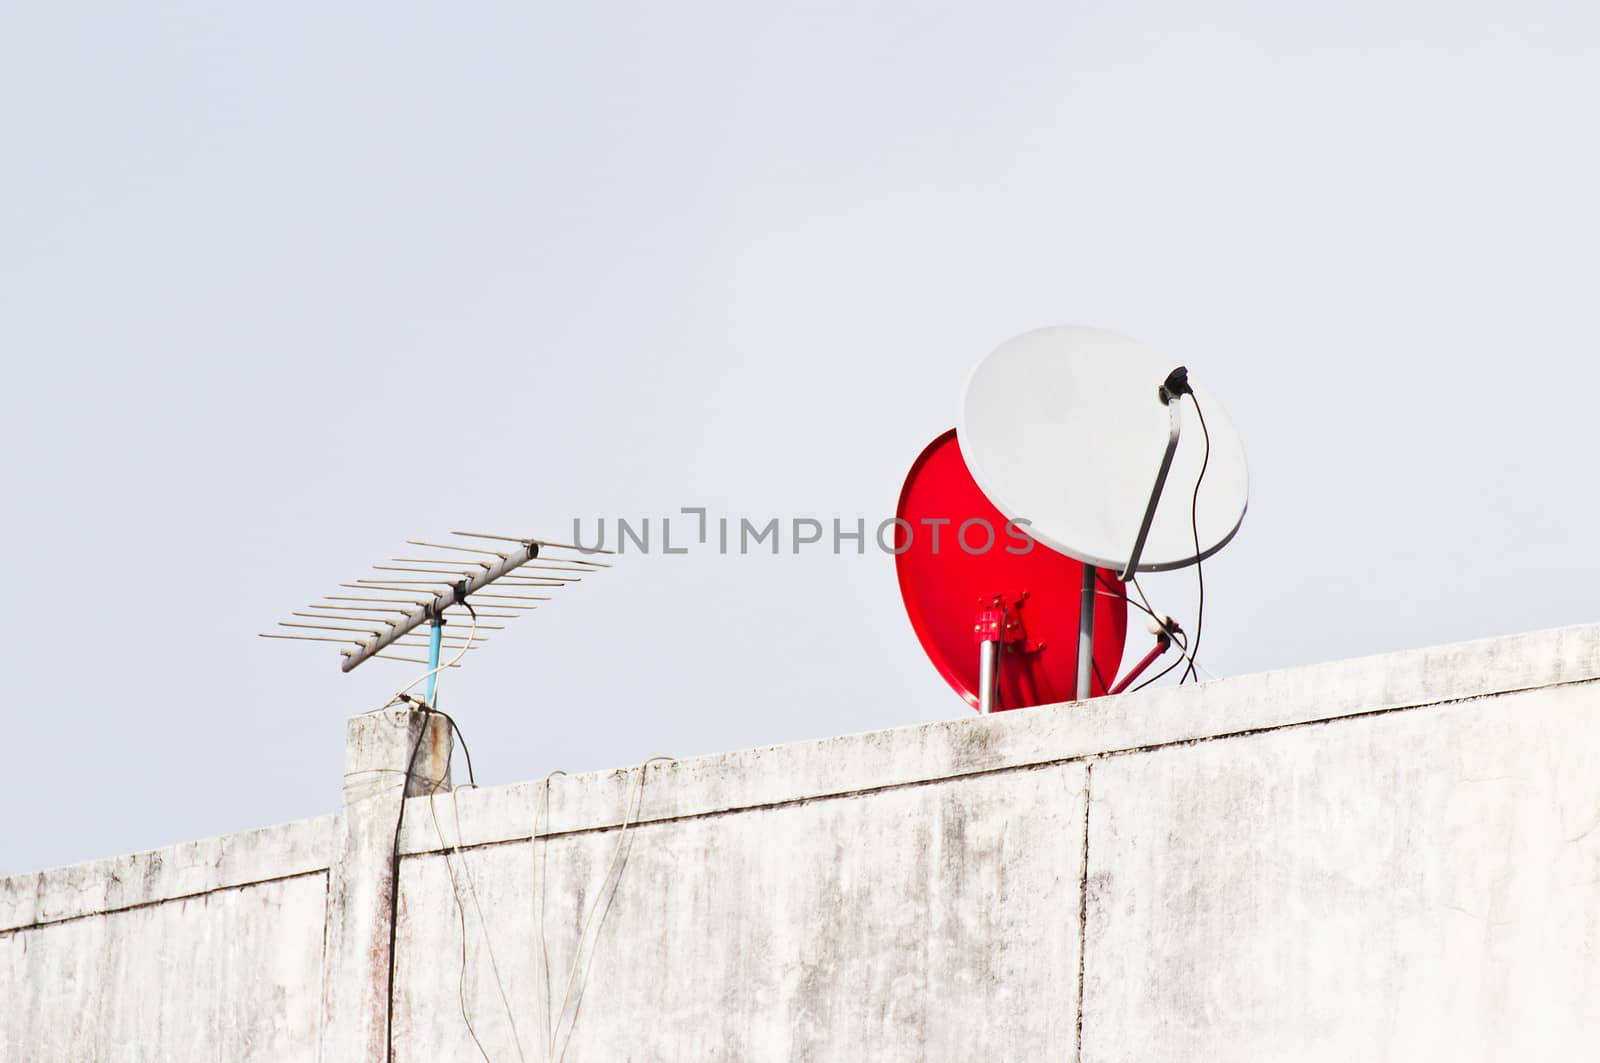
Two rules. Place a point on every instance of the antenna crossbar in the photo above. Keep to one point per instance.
(429, 610)
(404, 594)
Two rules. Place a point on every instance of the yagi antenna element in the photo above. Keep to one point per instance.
(415, 591)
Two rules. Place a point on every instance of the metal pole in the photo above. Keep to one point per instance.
(1163, 640)
(987, 652)
(435, 637)
(1091, 576)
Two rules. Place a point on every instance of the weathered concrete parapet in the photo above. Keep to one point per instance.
(1390, 858)
(379, 747)
(389, 755)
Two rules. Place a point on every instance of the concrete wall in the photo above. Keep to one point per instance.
(1391, 858)
(211, 950)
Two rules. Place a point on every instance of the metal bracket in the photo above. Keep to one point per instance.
(998, 627)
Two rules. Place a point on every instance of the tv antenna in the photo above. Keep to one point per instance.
(1078, 431)
(410, 592)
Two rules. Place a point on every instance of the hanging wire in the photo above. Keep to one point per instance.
(400, 817)
(630, 812)
(540, 870)
(1178, 637)
(1194, 526)
(465, 872)
(403, 694)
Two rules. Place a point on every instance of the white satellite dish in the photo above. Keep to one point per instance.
(1066, 428)
(1083, 437)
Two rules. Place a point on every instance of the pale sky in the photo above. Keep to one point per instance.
(287, 285)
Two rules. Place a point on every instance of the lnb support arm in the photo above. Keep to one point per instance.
(1171, 390)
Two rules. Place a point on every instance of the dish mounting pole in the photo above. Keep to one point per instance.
(1091, 577)
(988, 650)
(435, 637)
(989, 629)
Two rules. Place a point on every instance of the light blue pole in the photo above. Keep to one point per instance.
(434, 638)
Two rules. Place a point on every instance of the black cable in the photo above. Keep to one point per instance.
(394, 849)
(1176, 636)
(1194, 526)
(472, 780)
(394, 880)
(1163, 672)
(999, 659)
(1143, 598)
(1162, 621)
(1094, 665)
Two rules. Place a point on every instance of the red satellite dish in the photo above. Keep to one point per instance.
(965, 573)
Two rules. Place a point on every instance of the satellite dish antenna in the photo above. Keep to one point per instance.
(1078, 432)
(470, 584)
(996, 612)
